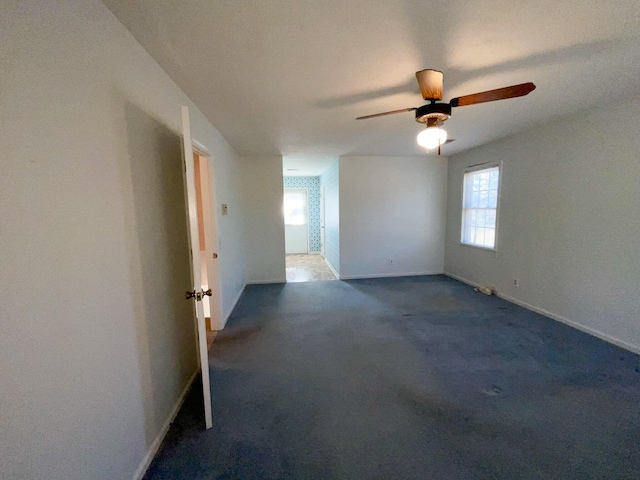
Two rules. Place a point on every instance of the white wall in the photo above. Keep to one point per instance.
(392, 208)
(97, 340)
(264, 220)
(227, 175)
(569, 225)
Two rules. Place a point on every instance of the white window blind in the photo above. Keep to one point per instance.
(480, 207)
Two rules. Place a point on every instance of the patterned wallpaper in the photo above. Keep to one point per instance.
(312, 184)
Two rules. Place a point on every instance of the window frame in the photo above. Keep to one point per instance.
(475, 169)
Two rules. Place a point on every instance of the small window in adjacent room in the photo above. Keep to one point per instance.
(480, 207)
(295, 206)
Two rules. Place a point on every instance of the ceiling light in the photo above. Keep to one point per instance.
(432, 137)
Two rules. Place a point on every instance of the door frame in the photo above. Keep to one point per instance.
(210, 234)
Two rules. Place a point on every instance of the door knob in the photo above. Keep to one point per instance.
(198, 295)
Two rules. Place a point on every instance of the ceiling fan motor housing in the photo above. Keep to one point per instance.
(433, 113)
(430, 82)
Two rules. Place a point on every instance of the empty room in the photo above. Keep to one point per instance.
(320, 240)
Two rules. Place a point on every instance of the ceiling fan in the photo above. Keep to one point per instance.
(434, 114)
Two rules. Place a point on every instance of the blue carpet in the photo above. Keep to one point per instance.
(405, 378)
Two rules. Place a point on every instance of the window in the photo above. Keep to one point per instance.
(295, 207)
(480, 207)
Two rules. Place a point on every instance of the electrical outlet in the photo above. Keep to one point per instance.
(516, 282)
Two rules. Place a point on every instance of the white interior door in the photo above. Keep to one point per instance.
(322, 251)
(194, 242)
(296, 221)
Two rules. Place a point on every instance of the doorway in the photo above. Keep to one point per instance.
(302, 208)
(208, 255)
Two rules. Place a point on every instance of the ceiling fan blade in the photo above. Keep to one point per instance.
(386, 113)
(430, 82)
(499, 94)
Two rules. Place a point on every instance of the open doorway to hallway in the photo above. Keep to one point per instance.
(209, 274)
(304, 223)
(311, 212)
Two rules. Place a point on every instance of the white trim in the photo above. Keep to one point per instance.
(265, 282)
(199, 148)
(496, 240)
(331, 268)
(480, 247)
(155, 446)
(385, 275)
(225, 318)
(210, 223)
(574, 324)
(482, 166)
(314, 253)
(463, 280)
(559, 318)
(474, 169)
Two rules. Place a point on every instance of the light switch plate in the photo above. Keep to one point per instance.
(225, 210)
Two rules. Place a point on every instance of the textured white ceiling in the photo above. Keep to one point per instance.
(289, 77)
(306, 165)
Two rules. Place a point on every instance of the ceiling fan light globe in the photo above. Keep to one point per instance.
(432, 137)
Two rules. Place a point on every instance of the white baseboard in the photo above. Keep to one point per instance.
(385, 275)
(331, 268)
(559, 318)
(225, 317)
(266, 282)
(460, 279)
(315, 253)
(155, 446)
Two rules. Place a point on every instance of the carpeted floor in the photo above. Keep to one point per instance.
(405, 378)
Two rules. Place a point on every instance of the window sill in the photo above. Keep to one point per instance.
(478, 247)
